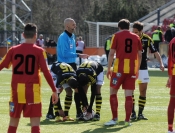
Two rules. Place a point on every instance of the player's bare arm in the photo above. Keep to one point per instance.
(159, 60)
(110, 60)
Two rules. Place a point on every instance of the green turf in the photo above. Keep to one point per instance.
(155, 110)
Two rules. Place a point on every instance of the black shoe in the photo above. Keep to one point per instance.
(50, 116)
(141, 117)
(133, 116)
(79, 117)
(96, 117)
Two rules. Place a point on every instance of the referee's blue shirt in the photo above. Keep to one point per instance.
(66, 48)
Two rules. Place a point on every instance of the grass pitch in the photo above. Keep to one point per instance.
(155, 109)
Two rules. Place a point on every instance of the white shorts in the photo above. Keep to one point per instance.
(54, 77)
(143, 76)
(100, 79)
(65, 86)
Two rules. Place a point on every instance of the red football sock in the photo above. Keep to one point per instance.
(35, 129)
(128, 107)
(170, 112)
(12, 129)
(114, 106)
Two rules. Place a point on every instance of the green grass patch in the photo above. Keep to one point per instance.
(155, 110)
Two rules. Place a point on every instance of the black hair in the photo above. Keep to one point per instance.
(124, 24)
(138, 26)
(30, 30)
(72, 82)
(83, 79)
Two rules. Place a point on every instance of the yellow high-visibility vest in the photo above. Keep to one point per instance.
(108, 45)
(155, 36)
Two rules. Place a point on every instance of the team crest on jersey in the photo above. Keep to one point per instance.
(71, 46)
(12, 106)
(118, 74)
(114, 81)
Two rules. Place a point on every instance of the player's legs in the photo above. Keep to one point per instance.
(89, 115)
(50, 114)
(115, 83)
(114, 107)
(98, 98)
(171, 106)
(35, 122)
(98, 102)
(15, 113)
(133, 114)
(143, 80)
(68, 101)
(129, 86)
(142, 100)
(77, 99)
(170, 112)
(33, 111)
(128, 104)
(58, 110)
(13, 124)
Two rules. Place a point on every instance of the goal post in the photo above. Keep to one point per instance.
(100, 31)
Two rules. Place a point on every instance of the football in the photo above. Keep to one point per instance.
(88, 116)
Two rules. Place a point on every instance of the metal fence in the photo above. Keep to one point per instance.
(8, 39)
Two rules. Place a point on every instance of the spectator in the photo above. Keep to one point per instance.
(168, 34)
(40, 41)
(50, 43)
(80, 46)
(173, 32)
(128, 48)
(172, 24)
(157, 37)
(107, 46)
(27, 60)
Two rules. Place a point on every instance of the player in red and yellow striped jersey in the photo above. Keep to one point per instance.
(27, 60)
(171, 84)
(127, 47)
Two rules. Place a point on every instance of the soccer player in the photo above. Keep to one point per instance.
(143, 77)
(171, 84)
(27, 59)
(127, 47)
(90, 73)
(64, 77)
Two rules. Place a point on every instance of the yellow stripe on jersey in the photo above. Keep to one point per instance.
(11, 99)
(36, 93)
(136, 66)
(173, 71)
(116, 63)
(92, 79)
(126, 65)
(44, 54)
(21, 93)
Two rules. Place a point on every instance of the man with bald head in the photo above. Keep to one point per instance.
(66, 52)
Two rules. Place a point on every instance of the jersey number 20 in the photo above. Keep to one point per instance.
(25, 60)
